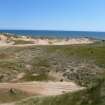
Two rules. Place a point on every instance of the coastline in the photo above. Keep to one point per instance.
(56, 33)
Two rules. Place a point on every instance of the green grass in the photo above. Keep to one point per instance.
(39, 77)
(22, 42)
(87, 52)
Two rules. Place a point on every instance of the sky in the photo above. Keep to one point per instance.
(73, 15)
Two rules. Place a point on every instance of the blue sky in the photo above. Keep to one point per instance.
(77, 15)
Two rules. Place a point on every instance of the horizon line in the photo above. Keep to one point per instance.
(51, 30)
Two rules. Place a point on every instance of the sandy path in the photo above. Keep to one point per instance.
(8, 104)
(43, 88)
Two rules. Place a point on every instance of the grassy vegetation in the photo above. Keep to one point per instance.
(37, 77)
(43, 59)
(86, 52)
(22, 42)
(84, 64)
(85, 97)
(6, 96)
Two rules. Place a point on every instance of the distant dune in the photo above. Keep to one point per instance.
(25, 40)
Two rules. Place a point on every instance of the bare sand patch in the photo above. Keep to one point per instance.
(43, 88)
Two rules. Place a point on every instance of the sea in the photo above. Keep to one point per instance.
(50, 33)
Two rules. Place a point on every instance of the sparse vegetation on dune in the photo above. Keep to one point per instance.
(43, 59)
(7, 39)
(83, 64)
(17, 42)
(12, 95)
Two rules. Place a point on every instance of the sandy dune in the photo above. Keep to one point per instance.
(10, 41)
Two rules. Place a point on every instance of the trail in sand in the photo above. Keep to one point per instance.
(43, 88)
